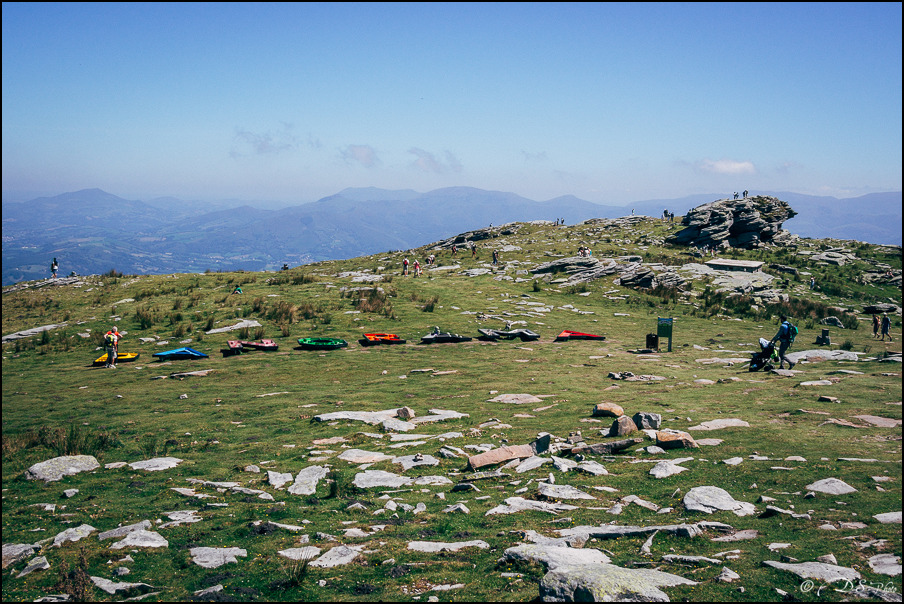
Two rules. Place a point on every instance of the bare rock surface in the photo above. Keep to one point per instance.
(436, 546)
(156, 464)
(58, 467)
(213, 557)
(378, 478)
(816, 570)
(307, 479)
(710, 499)
(122, 531)
(129, 589)
(831, 486)
(553, 557)
(338, 556)
(607, 583)
(141, 538)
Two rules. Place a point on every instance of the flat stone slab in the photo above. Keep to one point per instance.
(122, 531)
(607, 583)
(368, 417)
(362, 456)
(889, 517)
(67, 465)
(212, 557)
(831, 486)
(27, 333)
(813, 356)
(435, 546)
(41, 563)
(710, 499)
(666, 468)
(882, 422)
(73, 534)
(519, 504)
(141, 538)
(112, 587)
(240, 325)
(278, 479)
(816, 570)
(438, 415)
(338, 556)
(816, 383)
(562, 491)
(531, 463)
(553, 557)
(156, 464)
(13, 552)
(499, 455)
(744, 535)
(307, 479)
(412, 461)
(516, 399)
(717, 424)
(886, 564)
(378, 478)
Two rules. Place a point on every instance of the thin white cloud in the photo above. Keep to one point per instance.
(427, 162)
(453, 162)
(726, 166)
(361, 154)
(266, 143)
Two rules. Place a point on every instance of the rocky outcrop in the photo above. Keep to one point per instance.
(478, 235)
(745, 223)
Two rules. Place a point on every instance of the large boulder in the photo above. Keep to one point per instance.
(58, 467)
(607, 583)
(745, 223)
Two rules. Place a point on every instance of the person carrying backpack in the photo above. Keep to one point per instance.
(785, 336)
(111, 343)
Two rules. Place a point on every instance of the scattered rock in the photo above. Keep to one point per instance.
(141, 538)
(831, 486)
(212, 557)
(156, 464)
(816, 570)
(608, 410)
(67, 465)
(710, 499)
(607, 583)
(435, 547)
(130, 589)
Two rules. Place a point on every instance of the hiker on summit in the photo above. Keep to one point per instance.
(111, 343)
(54, 267)
(785, 337)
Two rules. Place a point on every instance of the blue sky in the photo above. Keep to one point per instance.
(612, 103)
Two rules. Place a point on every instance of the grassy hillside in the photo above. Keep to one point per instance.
(258, 409)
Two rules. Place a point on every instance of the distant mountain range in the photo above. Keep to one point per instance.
(91, 231)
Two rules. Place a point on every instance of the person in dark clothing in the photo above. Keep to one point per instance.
(784, 342)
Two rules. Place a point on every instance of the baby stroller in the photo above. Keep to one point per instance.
(765, 358)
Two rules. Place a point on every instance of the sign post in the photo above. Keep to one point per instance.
(664, 329)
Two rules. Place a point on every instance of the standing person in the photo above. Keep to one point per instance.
(111, 343)
(417, 267)
(876, 326)
(495, 257)
(54, 267)
(405, 266)
(886, 324)
(473, 251)
(785, 337)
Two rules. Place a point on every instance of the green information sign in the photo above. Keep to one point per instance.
(664, 329)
